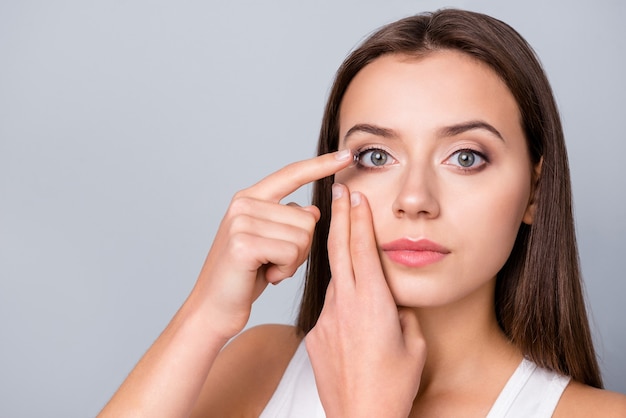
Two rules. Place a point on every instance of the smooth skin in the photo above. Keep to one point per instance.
(441, 353)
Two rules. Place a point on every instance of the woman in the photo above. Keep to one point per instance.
(455, 283)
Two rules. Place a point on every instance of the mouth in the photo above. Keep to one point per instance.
(412, 253)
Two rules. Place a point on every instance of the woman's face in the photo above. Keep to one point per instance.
(444, 164)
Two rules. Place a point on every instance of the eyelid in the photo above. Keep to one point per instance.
(468, 144)
(482, 155)
(371, 147)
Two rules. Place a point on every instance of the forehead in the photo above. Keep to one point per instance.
(437, 89)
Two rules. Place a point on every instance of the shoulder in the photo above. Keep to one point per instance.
(579, 400)
(249, 367)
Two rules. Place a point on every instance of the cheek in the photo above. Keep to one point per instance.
(375, 187)
(480, 214)
(488, 222)
(371, 184)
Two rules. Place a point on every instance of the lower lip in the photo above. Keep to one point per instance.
(414, 258)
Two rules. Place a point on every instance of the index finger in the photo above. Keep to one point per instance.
(295, 175)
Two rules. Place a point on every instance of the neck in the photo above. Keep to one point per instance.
(464, 341)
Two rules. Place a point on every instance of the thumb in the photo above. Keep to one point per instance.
(312, 209)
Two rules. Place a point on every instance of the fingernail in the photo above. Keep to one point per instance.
(355, 198)
(343, 155)
(337, 191)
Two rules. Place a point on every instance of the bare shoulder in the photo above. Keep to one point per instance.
(247, 372)
(580, 400)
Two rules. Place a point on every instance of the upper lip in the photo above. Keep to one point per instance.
(406, 244)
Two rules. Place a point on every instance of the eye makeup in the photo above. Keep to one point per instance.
(372, 157)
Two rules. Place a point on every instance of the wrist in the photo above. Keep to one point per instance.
(208, 320)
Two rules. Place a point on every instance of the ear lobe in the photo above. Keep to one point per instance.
(531, 209)
(529, 215)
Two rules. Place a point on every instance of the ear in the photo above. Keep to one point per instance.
(529, 214)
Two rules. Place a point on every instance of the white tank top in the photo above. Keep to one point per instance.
(530, 392)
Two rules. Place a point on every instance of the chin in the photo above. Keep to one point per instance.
(420, 295)
(426, 291)
(421, 302)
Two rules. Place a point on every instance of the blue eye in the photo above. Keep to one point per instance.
(373, 158)
(467, 159)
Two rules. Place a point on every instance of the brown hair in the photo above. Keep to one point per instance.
(539, 300)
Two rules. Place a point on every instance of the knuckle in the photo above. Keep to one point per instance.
(292, 253)
(302, 238)
(239, 244)
(241, 194)
(241, 223)
(311, 221)
(285, 273)
(240, 204)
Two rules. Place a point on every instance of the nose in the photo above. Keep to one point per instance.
(417, 195)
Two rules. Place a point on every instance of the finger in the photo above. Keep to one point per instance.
(339, 237)
(363, 249)
(263, 228)
(280, 258)
(251, 252)
(290, 178)
(330, 291)
(313, 210)
(277, 272)
(302, 217)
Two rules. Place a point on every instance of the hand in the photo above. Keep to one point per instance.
(367, 355)
(260, 241)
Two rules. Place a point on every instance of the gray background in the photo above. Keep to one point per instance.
(126, 126)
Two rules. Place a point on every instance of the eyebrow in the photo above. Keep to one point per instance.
(460, 128)
(447, 131)
(370, 129)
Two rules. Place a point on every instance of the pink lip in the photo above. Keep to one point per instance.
(414, 253)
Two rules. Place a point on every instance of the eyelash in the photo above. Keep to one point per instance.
(358, 155)
(473, 168)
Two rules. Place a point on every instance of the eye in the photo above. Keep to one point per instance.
(373, 158)
(467, 159)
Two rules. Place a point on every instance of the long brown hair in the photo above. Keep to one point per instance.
(539, 300)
